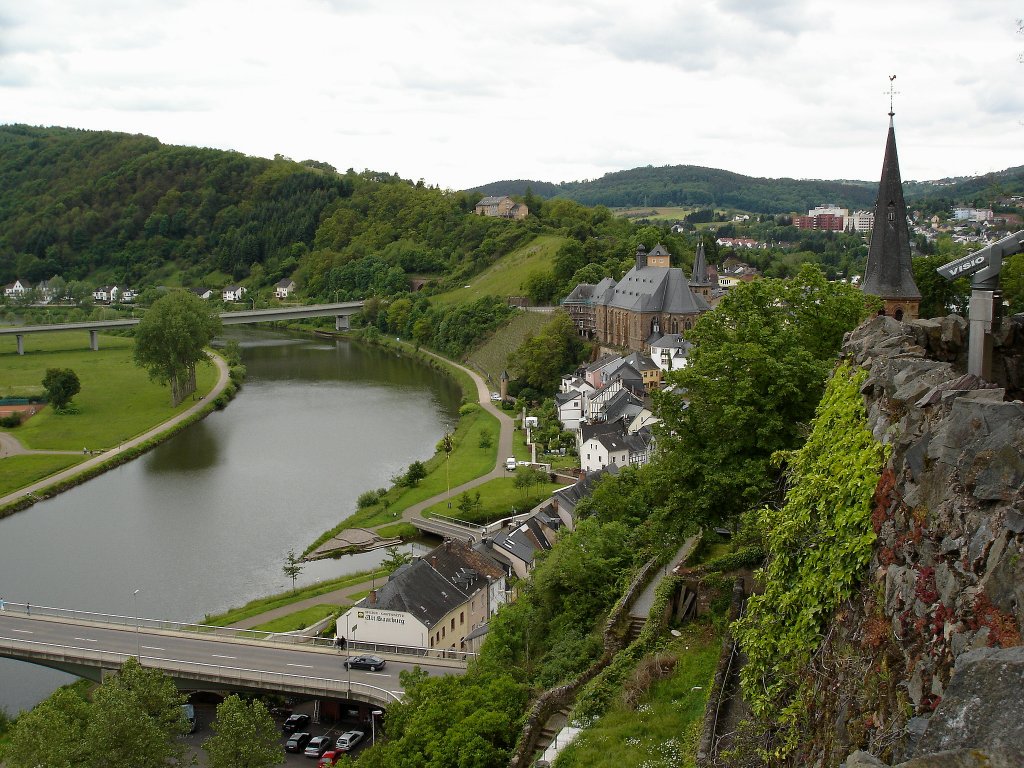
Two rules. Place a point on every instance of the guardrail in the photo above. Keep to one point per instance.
(234, 633)
(242, 676)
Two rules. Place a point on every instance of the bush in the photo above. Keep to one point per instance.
(467, 409)
(11, 421)
(367, 499)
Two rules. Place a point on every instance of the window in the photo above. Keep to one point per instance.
(453, 622)
(462, 618)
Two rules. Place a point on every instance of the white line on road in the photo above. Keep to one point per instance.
(151, 648)
(378, 674)
(24, 631)
(86, 639)
(218, 656)
(306, 666)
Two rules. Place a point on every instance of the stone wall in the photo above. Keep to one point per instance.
(947, 575)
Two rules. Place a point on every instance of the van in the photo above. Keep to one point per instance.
(190, 716)
(510, 464)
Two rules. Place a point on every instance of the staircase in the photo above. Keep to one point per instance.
(636, 626)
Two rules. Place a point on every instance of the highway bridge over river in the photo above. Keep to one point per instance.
(340, 310)
(197, 657)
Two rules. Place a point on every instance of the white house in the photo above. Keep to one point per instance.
(107, 293)
(670, 352)
(233, 293)
(203, 293)
(617, 448)
(17, 289)
(571, 407)
(128, 295)
(433, 602)
(284, 288)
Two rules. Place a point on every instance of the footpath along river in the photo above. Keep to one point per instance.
(204, 521)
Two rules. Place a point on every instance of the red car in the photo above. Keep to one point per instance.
(329, 758)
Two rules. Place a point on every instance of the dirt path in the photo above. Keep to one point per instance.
(8, 441)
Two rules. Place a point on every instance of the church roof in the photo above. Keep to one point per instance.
(700, 274)
(654, 289)
(888, 272)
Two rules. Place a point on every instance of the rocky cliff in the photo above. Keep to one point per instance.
(906, 668)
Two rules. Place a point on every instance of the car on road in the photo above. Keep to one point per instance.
(295, 722)
(297, 742)
(495, 396)
(372, 663)
(317, 746)
(330, 758)
(510, 464)
(347, 740)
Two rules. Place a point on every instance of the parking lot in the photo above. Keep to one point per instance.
(205, 714)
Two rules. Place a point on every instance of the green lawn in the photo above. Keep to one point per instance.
(506, 276)
(117, 400)
(498, 498)
(665, 728)
(19, 471)
(298, 620)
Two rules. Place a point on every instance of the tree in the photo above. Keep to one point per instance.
(51, 734)
(170, 340)
(542, 359)
(469, 506)
(292, 567)
(244, 734)
(395, 559)
(527, 477)
(415, 473)
(61, 384)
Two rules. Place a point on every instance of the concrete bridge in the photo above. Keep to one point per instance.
(198, 657)
(341, 312)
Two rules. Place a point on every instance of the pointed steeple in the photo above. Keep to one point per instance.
(888, 273)
(699, 276)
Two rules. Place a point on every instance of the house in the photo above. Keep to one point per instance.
(652, 298)
(670, 352)
(519, 544)
(565, 500)
(650, 373)
(233, 293)
(503, 207)
(106, 294)
(17, 289)
(571, 408)
(432, 602)
(129, 295)
(284, 288)
(616, 448)
(203, 293)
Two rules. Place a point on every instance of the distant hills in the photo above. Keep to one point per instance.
(696, 186)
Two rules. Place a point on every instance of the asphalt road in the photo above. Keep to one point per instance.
(168, 650)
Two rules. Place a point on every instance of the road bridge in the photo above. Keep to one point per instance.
(340, 310)
(198, 657)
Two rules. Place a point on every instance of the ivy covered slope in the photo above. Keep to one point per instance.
(819, 544)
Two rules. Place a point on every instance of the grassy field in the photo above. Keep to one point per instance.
(506, 277)
(659, 214)
(110, 382)
(492, 357)
(270, 602)
(665, 727)
(498, 499)
(20, 471)
(298, 620)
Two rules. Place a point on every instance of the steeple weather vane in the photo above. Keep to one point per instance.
(892, 93)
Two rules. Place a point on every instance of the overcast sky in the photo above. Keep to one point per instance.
(464, 93)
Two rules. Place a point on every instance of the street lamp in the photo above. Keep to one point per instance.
(374, 714)
(138, 639)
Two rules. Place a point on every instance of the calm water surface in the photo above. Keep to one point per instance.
(204, 521)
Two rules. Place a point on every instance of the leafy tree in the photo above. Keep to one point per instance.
(469, 505)
(51, 734)
(292, 567)
(527, 477)
(395, 559)
(415, 473)
(542, 359)
(757, 372)
(170, 338)
(1012, 281)
(61, 384)
(244, 735)
(939, 296)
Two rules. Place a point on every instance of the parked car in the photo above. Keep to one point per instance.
(190, 716)
(297, 742)
(510, 463)
(317, 746)
(330, 758)
(295, 722)
(372, 663)
(347, 740)
(495, 396)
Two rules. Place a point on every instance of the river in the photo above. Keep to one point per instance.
(204, 521)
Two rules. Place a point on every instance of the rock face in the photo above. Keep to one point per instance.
(946, 583)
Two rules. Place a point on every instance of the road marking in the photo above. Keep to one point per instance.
(379, 674)
(218, 656)
(24, 631)
(86, 639)
(305, 666)
(151, 648)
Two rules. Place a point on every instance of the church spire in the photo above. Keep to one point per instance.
(888, 273)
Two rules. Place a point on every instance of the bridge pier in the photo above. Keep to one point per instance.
(21, 344)
(341, 323)
(94, 340)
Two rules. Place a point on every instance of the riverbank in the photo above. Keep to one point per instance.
(129, 449)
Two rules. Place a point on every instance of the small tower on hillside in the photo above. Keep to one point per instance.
(888, 274)
(503, 386)
(700, 279)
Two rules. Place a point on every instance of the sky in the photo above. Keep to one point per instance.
(460, 94)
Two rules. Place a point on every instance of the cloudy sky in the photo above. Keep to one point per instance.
(461, 93)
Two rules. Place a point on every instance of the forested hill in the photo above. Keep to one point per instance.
(691, 185)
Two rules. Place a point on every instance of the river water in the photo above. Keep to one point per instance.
(204, 522)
